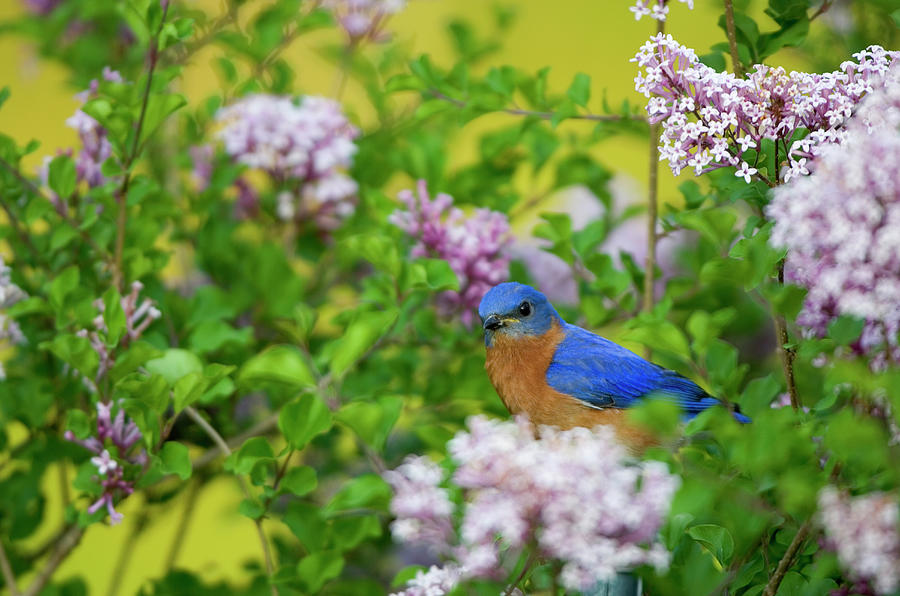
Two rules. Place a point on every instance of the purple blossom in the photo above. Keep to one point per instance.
(95, 146)
(41, 7)
(656, 9)
(863, 532)
(841, 226)
(306, 147)
(475, 246)
(423, 509)
(123, 434)
(364, 20)
(202, 158)
(597, 515)
(711, 118)
(434, 582)
(10, 294)
(138, 316)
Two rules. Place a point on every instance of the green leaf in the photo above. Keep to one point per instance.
(359, 337)
(159, 107)
(365, 491)
(894, 15)
(113, 316)
(299, 481)
(350, 531)
(62, 285)
(379, 250)
(439, 276)
(372, 421)
(188, 389)
(303, 419)
(580, 89)
(660, 335)
(716, 540)
(76, 352)
(759, 393)
(4, 94)
(307, 524)
(251, 452)
(280, 364)
(845, 329)
(79, 423)
(175, 459)
(62, 177)
(174, 364)
(316, 569)
(251, 508)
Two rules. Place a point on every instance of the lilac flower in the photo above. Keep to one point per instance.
(306, 147)
(364, 19)
(659, 10)
(10, 294)
(423, 509)
(41, 7)
(138, 316)
(475, 246)
(863, 532)
(122, 434)
(202, 158)
(841, 224)
(710, 118)
(434, 582)
(96, 148)
(597, 515)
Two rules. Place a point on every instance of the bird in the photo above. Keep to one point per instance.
(564, 376)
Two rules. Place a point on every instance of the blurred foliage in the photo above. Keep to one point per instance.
(319, 356)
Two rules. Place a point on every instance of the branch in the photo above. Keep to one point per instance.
(223, 446)
(66, 543)
(732, 39)
(9, 578)
(787, 354)
(826, 4)
(785, 562)
(193, 492)
(122, 216)
(542, 115)
(260, 428)
(652, 212)
(32, 188)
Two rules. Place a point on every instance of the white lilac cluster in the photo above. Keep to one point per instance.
(595, 514)
(10, 293)
(841, 226)
(121, 435)
(711, 118)
(364, 20)
(863, 531)
(421, 506)
(655, 9)
(138, 316)
(475, 246)
(305, 147)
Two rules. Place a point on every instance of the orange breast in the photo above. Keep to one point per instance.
(518, 370)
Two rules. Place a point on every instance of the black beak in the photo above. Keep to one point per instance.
(493, 322)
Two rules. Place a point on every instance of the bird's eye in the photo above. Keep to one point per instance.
(525, 309)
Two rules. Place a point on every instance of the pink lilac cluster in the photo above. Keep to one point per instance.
(305, 147)
(476, 246)
(10, 294)
(138, 316)
(710, 119)
(656, 9)
(841, 227)
(422, 508)
(122, 435)
(597, 515)
(364, 20)
(863, 531)
(95, 146)
(41, 7)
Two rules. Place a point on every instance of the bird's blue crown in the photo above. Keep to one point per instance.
(515, 310)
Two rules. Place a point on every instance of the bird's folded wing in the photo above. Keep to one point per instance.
(604, 374)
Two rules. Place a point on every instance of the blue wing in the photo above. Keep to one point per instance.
(606, 375)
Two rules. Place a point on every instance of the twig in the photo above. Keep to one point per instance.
(542, 115)
(260, 428)
(732, 40)
(9, 578)
(515, 584)
(785, 562)
(786, 353)
(122, 195)
(193, 492)
(32, 188)
(826, 4)
(223, 446)
(125, 553)
(66, 543)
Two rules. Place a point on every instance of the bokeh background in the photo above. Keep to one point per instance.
(597, 37)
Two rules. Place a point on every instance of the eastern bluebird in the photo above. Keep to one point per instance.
(561, 375)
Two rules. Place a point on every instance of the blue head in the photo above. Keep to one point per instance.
(515, 310)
